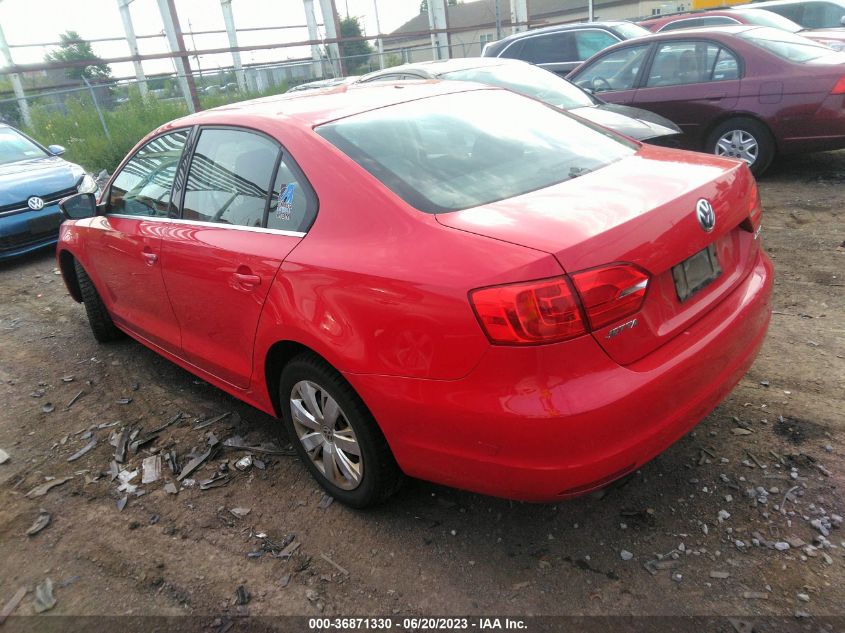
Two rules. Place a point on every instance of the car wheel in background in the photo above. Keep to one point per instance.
(335, 435)
(98, 316)
(745, 139)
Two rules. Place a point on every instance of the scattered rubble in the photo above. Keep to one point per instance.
(40, 523)
(44, 598)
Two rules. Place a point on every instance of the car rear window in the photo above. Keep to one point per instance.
(793, 48)
(467, 149)
(629, 30)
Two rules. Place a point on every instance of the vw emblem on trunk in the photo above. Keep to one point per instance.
(705, 214)
(35, 203)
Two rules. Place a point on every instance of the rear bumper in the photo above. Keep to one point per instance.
(550, 422)
(28, 231)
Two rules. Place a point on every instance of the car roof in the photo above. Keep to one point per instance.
(440, 67)
(309, 108)
(773, 3)
(728, 29)
(564, 27)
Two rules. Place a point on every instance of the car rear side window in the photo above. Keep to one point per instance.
(293, 204)
(694, 23)
(455, 151)
(143, 186)
(677, 63)
(590, 42)
(550, 49)
(229, 177)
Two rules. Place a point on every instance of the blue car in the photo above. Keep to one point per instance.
(32, 181)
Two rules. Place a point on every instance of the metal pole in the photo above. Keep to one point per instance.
(499, 20)
(519, 15)
(15, 78)
(379, 41)
(590, 15)
(126, 17)
(327, 8)
(97, 106)
(313, 35)
(177, 45)
(437, 22)
(229, 19)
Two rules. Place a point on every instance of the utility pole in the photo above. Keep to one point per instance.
(519, 15)
(379, 41)
(313, 35)
(129, 30)
(437, 22)
(177, 45)
(590, 14)
(332, 26)
(229, 19)
(498, 20)
(15, 78)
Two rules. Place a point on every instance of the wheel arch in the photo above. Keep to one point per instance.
(278, 356)
(68, 270)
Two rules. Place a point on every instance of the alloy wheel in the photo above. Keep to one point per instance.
(326, 435)
(738, 144)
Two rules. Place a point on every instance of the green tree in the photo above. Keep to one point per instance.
(73, 48)
(356, 53)
(424, 5)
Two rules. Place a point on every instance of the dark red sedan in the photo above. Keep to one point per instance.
(741, 91)
(529, 311)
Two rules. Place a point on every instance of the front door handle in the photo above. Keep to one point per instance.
(150, 258)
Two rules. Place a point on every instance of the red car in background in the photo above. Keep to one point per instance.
(741, 91)
(832, 38)
(529, 311)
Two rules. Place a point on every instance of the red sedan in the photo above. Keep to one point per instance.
(529, 311)
(741, 91)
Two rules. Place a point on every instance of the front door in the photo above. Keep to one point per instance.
(124, 246)
(222, 255)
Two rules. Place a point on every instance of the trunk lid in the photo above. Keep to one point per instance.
(640, 210)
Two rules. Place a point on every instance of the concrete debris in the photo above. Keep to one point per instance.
(89, 446)
(43, 489)
(170, 488)
(13, 603)
(4, 456)
(240, 512)
(625, 555)
(755, 595)
(151, 469)
(720, 574)
(40, 523)
(44, 598)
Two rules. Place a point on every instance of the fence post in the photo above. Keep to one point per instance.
(380, 40)
(231, 32)
(330, 23)
(15, 78)
(519, 15)
(96, 105)
(126, 17)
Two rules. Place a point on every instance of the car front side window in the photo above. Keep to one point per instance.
(229, 177)
(617, 70)
(144, 184)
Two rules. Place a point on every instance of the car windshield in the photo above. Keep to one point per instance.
(528, 80)
(791, 47)
(467, 149)
(630, 30)
(760, 17)
(15, 147)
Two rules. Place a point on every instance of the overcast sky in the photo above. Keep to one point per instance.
(33, 21)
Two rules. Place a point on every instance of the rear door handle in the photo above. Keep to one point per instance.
(150, 258)
(247, 280)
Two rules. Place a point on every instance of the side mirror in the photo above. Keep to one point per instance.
(79, 206)
(56, 150)
(842, 20)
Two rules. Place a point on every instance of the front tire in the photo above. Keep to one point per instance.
(335, 435)
(745, 139)
(102, 326)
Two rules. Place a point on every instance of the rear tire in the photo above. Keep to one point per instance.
(98, 316)
(745, 139)
(331, 425)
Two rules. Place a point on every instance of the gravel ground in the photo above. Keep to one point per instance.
(729, 521)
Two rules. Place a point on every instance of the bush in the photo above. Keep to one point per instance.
(79, 129)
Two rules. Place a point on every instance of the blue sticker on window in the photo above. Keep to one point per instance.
(283, 210)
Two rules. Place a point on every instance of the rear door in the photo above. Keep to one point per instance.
(124, 247)
(690, 82)
(245, 207)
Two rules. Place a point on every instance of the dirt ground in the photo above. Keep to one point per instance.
(433, 550)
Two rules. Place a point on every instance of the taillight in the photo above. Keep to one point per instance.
(548, 310)
(839, 88)
(544, 311)
(611, 292)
